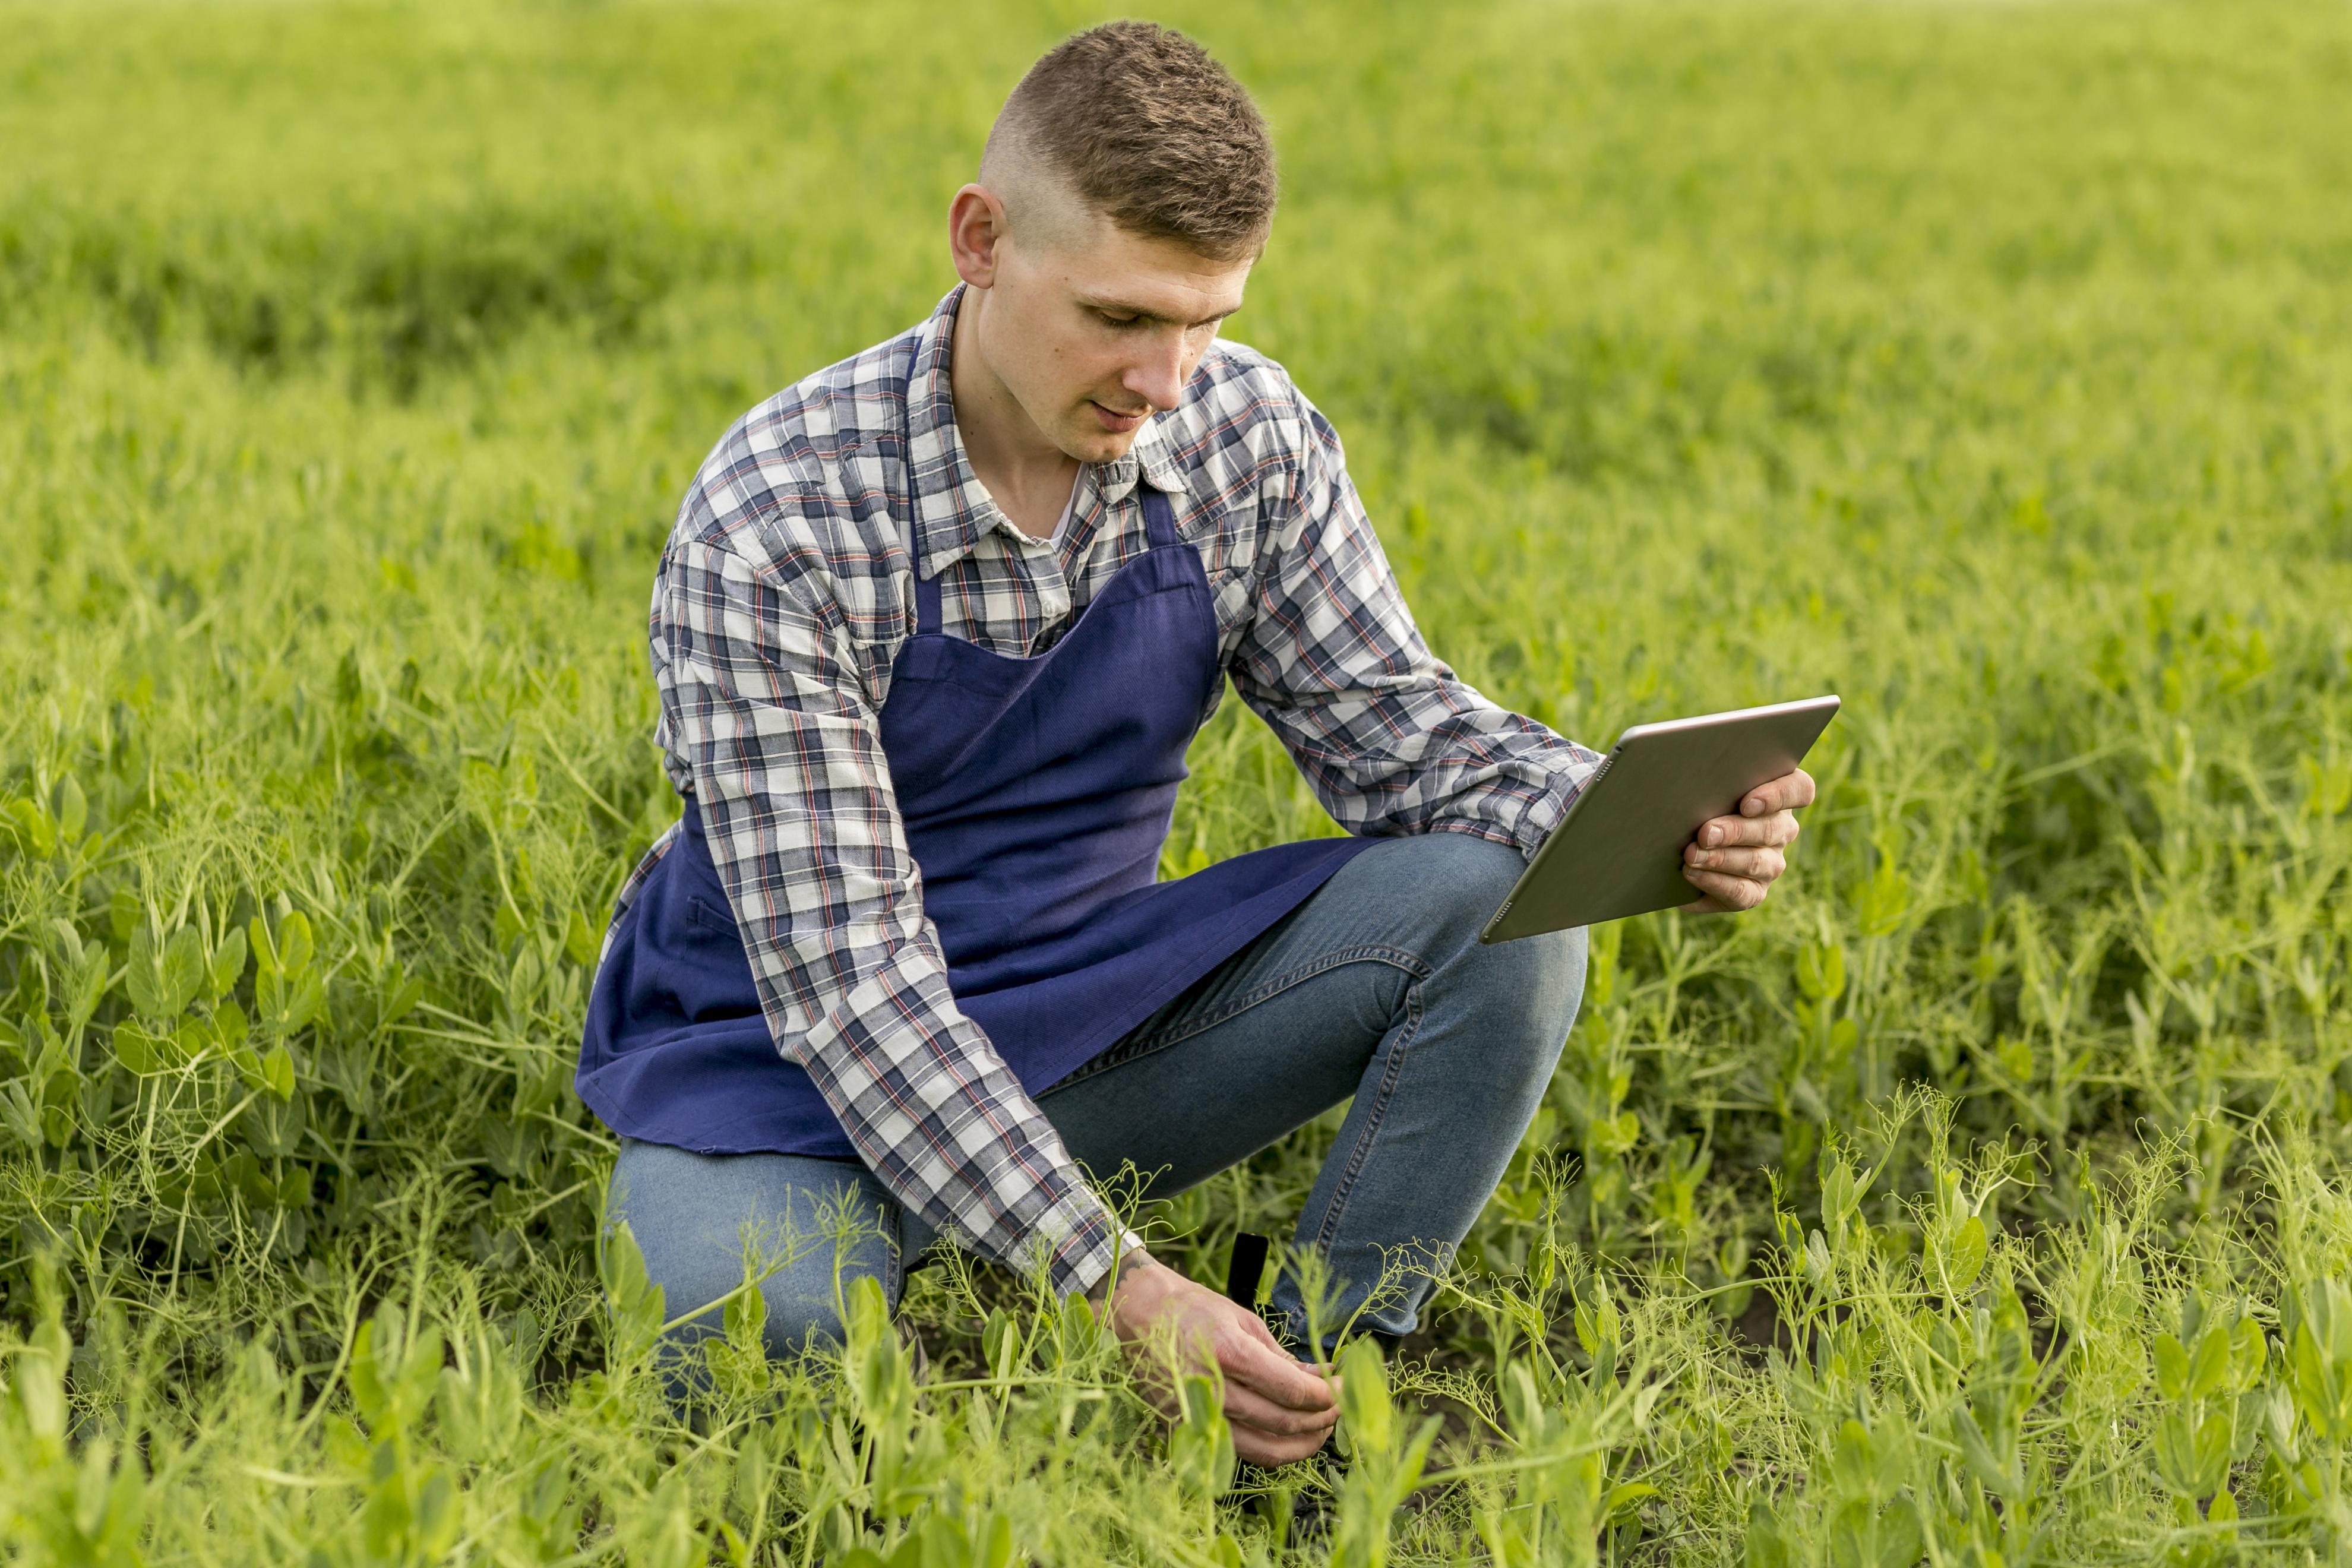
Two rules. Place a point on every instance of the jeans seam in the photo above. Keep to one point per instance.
(1257, 996)
(1391, 1073)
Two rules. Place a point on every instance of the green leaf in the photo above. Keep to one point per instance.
(1597, 1323)
(2176, 1451)
(1820, 971)
(40, 1394)
(744, 1316)
(1766, 1547)
(135, 1048)
(884, 1383)
(1884, 901)
(227, 966)
(2171, 1368)
(1855, 1460)
(368, 1387)
(581, 943)
(1991, 1471)
(274, 1127)
(1080, 1333)
(1000, 1343)
(91, 974)
(2249, 1353)
(634, 1299)
(480, 1401)
(248, 1063)
(182, 971)
(32, 825)
(1364, 1399)
(1524, 1407)
(144, 975)
(1964, 1259)
(996, 1548)
(287, 999)
(2209, 1368)
(1201, 1448)
(1625, 1500)
(73, 809)
(754, 1470)
(2214, 1441)
(294, 948)
(277, 1072)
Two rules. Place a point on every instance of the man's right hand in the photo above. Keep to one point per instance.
(1280, 1409)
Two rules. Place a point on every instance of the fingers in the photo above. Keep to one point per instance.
(1756, 865)
(1245, 1407)
(1775, 831)
(1281, 1410)
(1254, 1448)
(1276, 1431)
(1723, 894)
(1790, 792)
(1253, 1362)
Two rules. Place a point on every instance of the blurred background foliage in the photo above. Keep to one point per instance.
(1986, 364)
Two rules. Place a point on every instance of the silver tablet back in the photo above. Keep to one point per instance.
(1619, 852)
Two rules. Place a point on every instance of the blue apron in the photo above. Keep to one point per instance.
(1035, 794)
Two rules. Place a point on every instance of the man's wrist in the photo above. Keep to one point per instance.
(1131, 1255)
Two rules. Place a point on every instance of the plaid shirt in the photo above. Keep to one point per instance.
(783, 596)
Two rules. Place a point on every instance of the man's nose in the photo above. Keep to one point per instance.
(1158, 377)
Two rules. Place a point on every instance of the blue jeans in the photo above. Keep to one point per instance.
(1375, 989)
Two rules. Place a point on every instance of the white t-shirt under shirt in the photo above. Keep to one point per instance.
(1069, 509)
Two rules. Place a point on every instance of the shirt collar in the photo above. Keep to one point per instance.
(952, 509)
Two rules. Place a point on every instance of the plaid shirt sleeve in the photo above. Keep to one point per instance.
(765, 709)
(1391, 740)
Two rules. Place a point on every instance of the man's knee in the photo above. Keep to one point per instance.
(1467, 875)
(1464, 879)
(709, 1226)
(1527, 991)
(800, 1298)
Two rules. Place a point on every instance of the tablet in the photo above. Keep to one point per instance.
(1619, 851)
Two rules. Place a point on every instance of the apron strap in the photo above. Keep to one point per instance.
(926, 597)
(927, 589)
(1159, 517)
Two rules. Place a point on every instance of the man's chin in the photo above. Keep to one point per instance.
(1099, 445)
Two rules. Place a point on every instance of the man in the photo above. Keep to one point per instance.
(931, 635)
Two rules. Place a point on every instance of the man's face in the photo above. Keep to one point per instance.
(1093, 329)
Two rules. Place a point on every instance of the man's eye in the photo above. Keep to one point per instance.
(1117, 324)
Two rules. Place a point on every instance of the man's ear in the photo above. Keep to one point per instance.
(976, 228)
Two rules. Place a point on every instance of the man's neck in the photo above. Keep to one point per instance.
(1027, 476)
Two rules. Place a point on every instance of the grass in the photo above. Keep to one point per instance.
(1981, 1202)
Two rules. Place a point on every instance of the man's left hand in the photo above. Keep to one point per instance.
(1734, 860)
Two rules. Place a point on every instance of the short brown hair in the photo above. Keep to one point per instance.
(1152, 133)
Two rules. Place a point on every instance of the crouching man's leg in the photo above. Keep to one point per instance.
(811, 1228)
(1376, 989)
(1450, 1090)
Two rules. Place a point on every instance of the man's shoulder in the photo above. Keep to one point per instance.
(1236, 382)
(797, 469)
(1242, 414)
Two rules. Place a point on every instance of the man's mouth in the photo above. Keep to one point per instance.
(1115, 422)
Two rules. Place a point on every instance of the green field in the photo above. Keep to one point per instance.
(1979, 1202)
